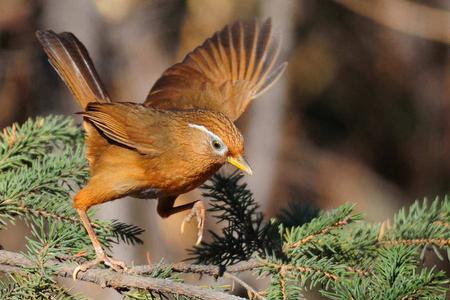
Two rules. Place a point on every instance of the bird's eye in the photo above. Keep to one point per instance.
(216, 145)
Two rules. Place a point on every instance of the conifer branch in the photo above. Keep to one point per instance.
(253, 294)
(49, 214)
(17, 259)
(337, 252)
(210, 270)
(11, 262)
(320, 232)
(282, 282)
(285, 268)
(442, 223)
(418, 242)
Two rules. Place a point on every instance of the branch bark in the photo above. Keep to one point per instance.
(11, 262)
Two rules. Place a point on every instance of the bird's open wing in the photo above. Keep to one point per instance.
(234, 66)
(131, 125)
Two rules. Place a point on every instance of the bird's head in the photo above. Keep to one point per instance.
(217, 140)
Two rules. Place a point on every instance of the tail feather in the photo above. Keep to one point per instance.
(71, 60)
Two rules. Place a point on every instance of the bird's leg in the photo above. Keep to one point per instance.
(100, 253)
(166, 208)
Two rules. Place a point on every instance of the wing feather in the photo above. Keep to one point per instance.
(232, 54)
(224, 74)
(242, 54)
(129, 124)
(252, 42)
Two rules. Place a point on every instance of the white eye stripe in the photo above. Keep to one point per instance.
(211, 135)
(205, 130)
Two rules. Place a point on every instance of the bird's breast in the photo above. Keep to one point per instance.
(178, 176)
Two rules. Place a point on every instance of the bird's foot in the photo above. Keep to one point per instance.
(116, 265)
(198, 210)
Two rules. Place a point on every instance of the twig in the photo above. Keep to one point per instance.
(360, 272)
(283, 282)
(283, 269)
(442, 223)
(251, 291)
(320, 232)
(198, 269)
(47, 214)
(437, 242)
(11, 262)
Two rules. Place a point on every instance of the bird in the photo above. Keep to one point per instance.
(180, 135)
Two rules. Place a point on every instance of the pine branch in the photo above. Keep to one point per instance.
(336, 219)
(395, 276)
(301, 269)
(334, 247)
(36, 185)
(11, 262)
(324, 230)
(20, 145)
(335, 252)
(418, 242)
(245, 233)
(16, 259)
(252, 293)
(423, 225)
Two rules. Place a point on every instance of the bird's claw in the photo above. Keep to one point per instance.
(198, 210)
(116, 265)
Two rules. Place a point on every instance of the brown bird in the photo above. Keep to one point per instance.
(181, 135)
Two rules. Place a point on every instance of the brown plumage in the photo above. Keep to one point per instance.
(234, 66)
(184, 131)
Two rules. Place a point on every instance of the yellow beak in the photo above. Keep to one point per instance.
(240, 163)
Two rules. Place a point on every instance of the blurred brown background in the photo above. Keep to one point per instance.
(362, 114)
